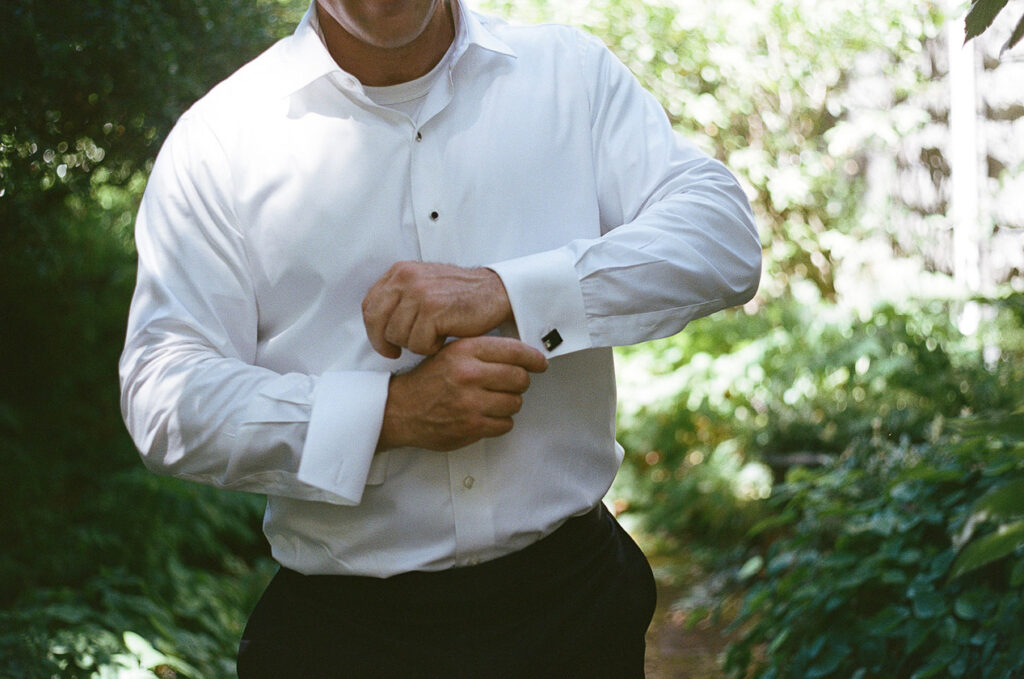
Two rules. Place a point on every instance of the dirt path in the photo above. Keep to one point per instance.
(675, 652)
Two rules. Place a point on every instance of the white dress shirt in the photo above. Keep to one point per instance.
(280, 197)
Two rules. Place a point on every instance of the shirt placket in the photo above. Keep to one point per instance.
(471, 490)
(468, 484)
(427, 180)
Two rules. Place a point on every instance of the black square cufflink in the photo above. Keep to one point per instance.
(551, 340)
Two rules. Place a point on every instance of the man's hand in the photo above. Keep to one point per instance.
(418, 305)
(467, 391)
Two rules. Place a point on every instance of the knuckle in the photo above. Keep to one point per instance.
(503, 426)
(469, 345)
(522, 380)
(460, 347)
(403, 271)
(477, 425)
(469, 372)
(429, 303)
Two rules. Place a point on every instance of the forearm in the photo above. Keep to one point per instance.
(690, 253)
(693, 252)
(678, 236)
(223, 422)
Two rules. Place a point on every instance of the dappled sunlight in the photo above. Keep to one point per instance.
(829, 478)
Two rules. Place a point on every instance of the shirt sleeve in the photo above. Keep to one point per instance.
(678, 236)
(194, 402)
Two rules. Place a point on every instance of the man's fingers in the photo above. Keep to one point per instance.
(500, 404)
(449, 301)
(496, 426)
(470, 389)
(400, 324)
(378, 308)
(502, 377)
(509, 351)
(423, 337)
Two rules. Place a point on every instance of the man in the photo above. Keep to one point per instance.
(381, 268)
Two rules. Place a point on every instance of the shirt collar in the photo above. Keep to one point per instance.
(306, 59)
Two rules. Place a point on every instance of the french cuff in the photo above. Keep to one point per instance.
(344, 425)
(546, 300)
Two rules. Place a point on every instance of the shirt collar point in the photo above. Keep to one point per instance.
(479, 34)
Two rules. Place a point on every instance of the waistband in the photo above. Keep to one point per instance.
(567, 550)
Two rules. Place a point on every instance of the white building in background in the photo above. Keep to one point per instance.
(962, 175)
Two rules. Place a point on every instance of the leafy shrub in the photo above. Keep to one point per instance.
(105, 570)
(866, 580)
(796, 381)
(153, 573)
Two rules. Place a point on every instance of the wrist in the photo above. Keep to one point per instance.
(499, 295)
(392, 429)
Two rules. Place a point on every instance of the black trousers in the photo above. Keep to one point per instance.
(573, 605)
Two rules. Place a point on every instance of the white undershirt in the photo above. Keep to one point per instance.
(407, 97)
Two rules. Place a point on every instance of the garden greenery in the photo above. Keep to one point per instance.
(899, 560)
(900, 557)
(792, 383)
(105, 569)
(902, 553)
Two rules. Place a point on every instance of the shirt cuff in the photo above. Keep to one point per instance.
(344, 426)
(546, 300)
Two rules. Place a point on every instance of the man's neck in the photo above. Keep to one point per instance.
(382, 66)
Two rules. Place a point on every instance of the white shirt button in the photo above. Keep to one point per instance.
(468, 482)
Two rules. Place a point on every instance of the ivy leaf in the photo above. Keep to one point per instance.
(929, 604)
(1008, 539)
(981, 16)
(1017, 575)
(1004, 502)
(1015, 37)
(829, 661)
(974, 604)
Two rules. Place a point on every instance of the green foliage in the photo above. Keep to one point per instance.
(902, 556)
(868, 578)
(101, 559)
(1003, 505)
(794, 382)
(177, 563)
(98, 85)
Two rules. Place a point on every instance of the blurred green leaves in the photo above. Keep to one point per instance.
(1004, 507)
(899, 553)
(106, 570)
(868, 563)
(795, 384)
